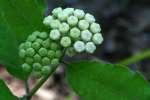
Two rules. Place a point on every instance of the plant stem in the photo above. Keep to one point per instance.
(26, 86)
(136, 58)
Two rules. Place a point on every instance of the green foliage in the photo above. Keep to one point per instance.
(5, 92)
(99, 81)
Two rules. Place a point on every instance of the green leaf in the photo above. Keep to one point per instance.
(5, 92)
(98, 81)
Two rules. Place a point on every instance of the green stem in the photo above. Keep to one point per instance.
(136, 58)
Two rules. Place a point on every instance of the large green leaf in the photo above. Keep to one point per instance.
(98, 81)
(5, 93)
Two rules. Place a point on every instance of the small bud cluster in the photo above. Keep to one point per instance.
(39, 53)
(74, 29)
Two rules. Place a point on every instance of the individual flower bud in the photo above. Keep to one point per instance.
(55, 24)
(36, 33)
(75, 33)
(90, 47)
(72, 20)
(37, 58)
(62, 16)
(27, 45)
(30, 52)
(90, 18)
(39, 41)
(47, 20)
(79, 13)
(83, 24)
(79, 46)
(26, 67)
(70, 52)
(22, 53)
(58, 53)
(64, 28)
(95, 28)
(46, 70)
(43, 35)
(37, 66)
(97, 38)
(46, 43)
(51, 54)
(45, 61)
(56, 11)
(31, 38)
(54, 34)
(22, 46)
(55, 62)
(37, 74)
(86, 35)
(65, 41)
(54, 46)
(29, 60)
(42, 52)
(36, 45)
(68, 11)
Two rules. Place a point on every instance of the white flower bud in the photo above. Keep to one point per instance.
(83, 24)
(47, 20)
(86, 35)
(62, 16)
(97, 38)
(55, 23)
(56, 11)
(90, 18)
(74, 33)
(68, 11)
(64, 28)
(95, 28)
(90, 47)
(54, 34)
(65, 41)
(79, 13)
(72, 20)
(79, 46)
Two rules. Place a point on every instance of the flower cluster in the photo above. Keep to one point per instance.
(70, 29)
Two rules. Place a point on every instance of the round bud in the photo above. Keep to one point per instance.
(64, 28)
(37, 74)
(42, 52)
(83, 24)
(37, 66)
(26, 67)
(22, 53)
(97, 38)
(56, 11)
(54, 46)
(68, 11)
(29, 60)
(30, 52)
(31, 38)
(46, 43)
(62, 16)
(58, 53)
(39, 41)
(90, 18)
(36, 33)
(72, 20)
(74, 33)
(70, 52)
(43, 35)
(86, 35)
(79, 13)
(47, 20)
(46, 70)
(22, 46)
(36, 45)
(79, 46)
(51, 54)
(90, 47)
(37, 58)
(27, 45)
(54, 34)
(95, 28)
(65, 41)
(55, 62)
(55, 24)
(45, 61)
